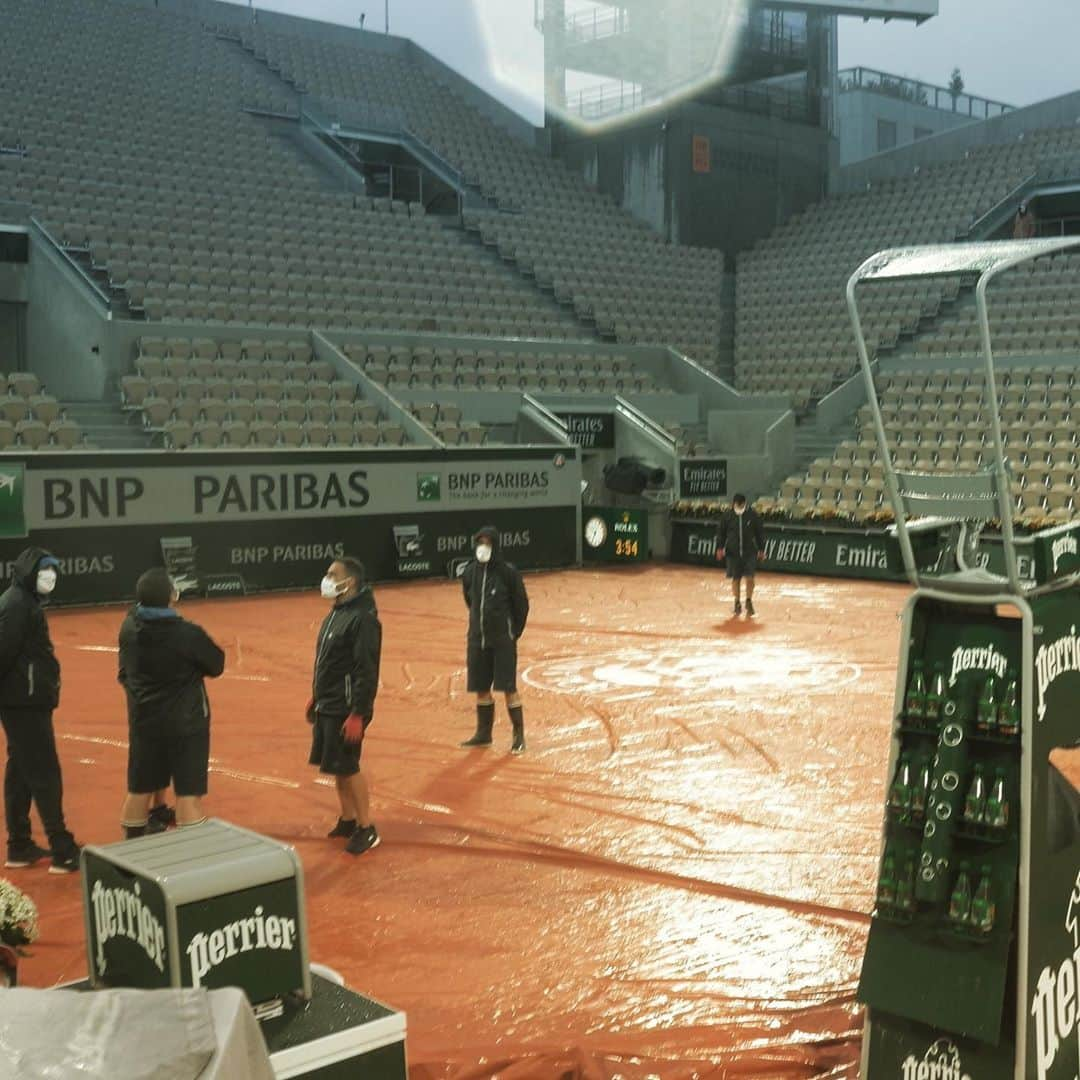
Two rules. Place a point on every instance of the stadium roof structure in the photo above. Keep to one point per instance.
(917, 10)
(960, 502)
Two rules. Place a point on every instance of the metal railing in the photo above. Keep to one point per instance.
(920, 93)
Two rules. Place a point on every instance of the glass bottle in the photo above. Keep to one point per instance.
(886, 890)
(1008, 714)
(983, 908)
(935, 696)
(997, 802)
(960, 901)
(987, 708)
(915, 698)
(921, 791)
(975, 803)
(905, 887)
(900, 791)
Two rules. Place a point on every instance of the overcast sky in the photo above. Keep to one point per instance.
(1016, 51)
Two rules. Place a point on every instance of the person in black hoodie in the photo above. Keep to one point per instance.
(740, 538)
(29, 692)
(498, 609)
(346, 680)
(163, 662)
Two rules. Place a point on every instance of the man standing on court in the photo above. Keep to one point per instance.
(741, 538)
(347, 655)
(498, 609)
(29, 692)
(164, 660)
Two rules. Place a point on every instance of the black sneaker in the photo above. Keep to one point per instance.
(749, 607)
(160, 818)
(20, 856)
(363, 840)
(343, 828)
(738, 607)
(66, 863)
(518, 745)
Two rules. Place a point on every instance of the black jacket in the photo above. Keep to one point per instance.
(496, 598)
(163, 661)
(29, 670)
(347, 655)
(741, 536)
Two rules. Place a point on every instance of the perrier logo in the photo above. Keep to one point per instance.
(428, 487)
(12, 518)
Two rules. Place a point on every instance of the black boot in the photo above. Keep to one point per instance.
(485, 721)
(517, 721)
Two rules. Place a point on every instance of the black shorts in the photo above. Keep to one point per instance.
(155, 761)
(493, 668)
(330, 751)
(740, 566)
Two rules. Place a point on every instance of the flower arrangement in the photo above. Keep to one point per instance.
(18, 916)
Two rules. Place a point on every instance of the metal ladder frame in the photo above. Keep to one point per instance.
(951, 499)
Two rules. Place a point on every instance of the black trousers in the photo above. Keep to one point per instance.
(33, 774)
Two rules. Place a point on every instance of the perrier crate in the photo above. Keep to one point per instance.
(210, 906)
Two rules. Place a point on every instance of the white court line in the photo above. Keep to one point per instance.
(235, 774)
(116, 649)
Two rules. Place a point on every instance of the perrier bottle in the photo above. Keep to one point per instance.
(960, 901)
(983, 908)
(935, 697)
(975, 803)
(915, 698)
(997, 802)
(986, 711)
(905, 887)
(1008, 712)
(900, 791)
(886, 890)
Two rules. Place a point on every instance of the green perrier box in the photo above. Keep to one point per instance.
(212, 905)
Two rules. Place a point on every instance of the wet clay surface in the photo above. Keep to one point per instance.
(674, 881)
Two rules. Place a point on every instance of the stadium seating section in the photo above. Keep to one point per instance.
(793, 335)
(937, 421)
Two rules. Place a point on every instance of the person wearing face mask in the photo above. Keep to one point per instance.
(741, 538)
(29, 692)
(346, 679)
(164, 660)
(498, 609)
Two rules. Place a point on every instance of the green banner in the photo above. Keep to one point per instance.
(12, 488)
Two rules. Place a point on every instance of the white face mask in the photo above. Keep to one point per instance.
(331, 589)
(483, 553)
(46, 581)
(740, 510)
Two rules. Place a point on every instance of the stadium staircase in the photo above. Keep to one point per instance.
(106, 426)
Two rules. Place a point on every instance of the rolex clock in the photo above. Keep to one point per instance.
(596, 531)
(614, 535)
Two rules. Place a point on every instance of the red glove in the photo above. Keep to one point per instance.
(309, 712)
(353, 728)
(719, 553)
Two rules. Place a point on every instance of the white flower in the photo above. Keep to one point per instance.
(18, 915)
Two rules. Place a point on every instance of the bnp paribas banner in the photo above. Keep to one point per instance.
(255, 520)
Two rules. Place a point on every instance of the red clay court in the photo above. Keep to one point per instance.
(674, 881)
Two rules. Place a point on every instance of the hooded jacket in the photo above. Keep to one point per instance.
(163, 661)
(495, 596)
(29, 670)
(742, 536)
(347, 655)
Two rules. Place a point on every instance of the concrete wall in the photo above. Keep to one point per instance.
(758, 444)
(858, 113)
(69, 340)
(762, 171)
(1061, 111)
